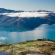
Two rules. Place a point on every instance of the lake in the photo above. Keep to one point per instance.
(19, 35)
(4, 53)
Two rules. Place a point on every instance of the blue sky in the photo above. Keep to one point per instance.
(28, 5)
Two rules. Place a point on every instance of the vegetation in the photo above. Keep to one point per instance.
(42, 46)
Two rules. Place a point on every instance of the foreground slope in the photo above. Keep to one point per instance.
(38, 47)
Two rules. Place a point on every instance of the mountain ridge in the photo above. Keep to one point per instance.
(26, 19)
(3, 10)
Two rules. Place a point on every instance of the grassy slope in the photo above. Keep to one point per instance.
(37, 46)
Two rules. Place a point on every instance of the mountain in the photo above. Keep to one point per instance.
(3, 10)
(25, 19)
(44, 11)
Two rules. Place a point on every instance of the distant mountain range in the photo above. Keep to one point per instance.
(25, 19)
(3, 10)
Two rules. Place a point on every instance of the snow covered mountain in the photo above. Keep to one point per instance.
(25, 19)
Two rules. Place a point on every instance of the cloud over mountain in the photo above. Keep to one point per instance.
(27, 14)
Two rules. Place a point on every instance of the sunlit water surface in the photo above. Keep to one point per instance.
(43, 31)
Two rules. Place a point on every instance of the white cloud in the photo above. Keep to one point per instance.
(3, 38)
(27, 14)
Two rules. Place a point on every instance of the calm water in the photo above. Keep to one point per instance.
(19, 35)
(4, 53)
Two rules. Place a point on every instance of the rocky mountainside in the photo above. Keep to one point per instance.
(25, 19)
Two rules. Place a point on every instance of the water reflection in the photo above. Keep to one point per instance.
(43, 31)
(8, 29)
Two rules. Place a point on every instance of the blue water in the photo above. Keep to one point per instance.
(4, 53)
(19, 35)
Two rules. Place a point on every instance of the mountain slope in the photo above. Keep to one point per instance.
(30, 20)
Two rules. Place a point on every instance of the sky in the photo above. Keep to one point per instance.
(28, 5)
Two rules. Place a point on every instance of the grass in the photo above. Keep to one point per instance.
(36, 45)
